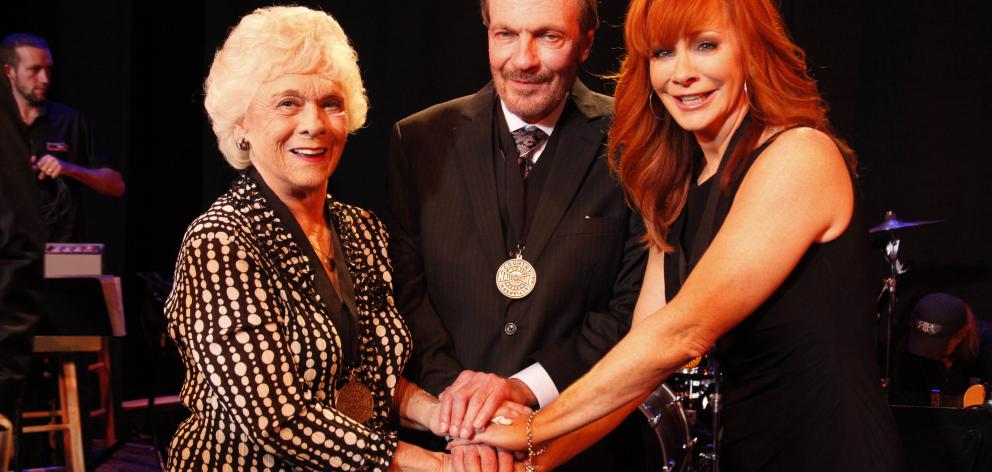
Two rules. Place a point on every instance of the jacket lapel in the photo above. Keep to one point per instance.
(295, 259)
(579, 146)
(473, 151)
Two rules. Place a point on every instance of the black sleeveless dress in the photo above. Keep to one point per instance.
(800, 382)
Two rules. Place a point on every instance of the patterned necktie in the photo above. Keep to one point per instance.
(527, 139)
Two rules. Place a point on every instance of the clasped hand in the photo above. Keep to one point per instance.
(472, 455)
(468, 406)
(470, 403)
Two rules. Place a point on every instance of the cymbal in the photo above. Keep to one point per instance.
(893, 223)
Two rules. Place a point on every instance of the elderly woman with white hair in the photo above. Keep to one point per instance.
(282, 307)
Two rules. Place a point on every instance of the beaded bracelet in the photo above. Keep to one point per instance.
(531, 454)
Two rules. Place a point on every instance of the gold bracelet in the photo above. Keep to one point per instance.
(531, 453)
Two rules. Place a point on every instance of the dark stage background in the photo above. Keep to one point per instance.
(907, 82)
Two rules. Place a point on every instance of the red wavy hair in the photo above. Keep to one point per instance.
(652, 155)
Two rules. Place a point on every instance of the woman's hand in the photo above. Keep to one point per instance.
(511, 437)
(410, 458)
(434, 420)
(418, 409)
(509, 414)
(509, 422)
(508, 430)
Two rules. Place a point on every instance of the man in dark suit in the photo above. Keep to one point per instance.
(515, 172)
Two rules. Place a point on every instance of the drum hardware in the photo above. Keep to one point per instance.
(667, 418)
(889, 224)
(682, 412)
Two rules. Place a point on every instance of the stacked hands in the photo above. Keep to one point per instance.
(484, 418)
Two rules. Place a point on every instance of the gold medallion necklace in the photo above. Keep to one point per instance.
(354, 399)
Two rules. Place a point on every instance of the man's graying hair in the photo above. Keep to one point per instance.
(588, 14)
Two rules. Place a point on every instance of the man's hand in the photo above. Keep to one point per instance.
(471, 401)
(48, 166)
(480, 458)
(104, 180)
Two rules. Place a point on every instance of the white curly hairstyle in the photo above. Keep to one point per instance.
(269, 43)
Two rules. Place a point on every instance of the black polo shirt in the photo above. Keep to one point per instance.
(64, 133)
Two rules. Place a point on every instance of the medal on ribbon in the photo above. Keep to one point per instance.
(516, 278)
(354, 400)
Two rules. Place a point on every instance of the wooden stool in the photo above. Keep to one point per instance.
(107, 406)
(67, 415)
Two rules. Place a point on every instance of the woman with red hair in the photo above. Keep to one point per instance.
(757, 249)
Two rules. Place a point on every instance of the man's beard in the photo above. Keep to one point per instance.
(33, 97)
(536, 105)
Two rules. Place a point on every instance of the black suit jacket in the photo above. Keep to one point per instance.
(447, 242)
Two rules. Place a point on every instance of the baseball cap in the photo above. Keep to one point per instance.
(936, 318)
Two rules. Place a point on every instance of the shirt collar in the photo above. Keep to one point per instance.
(46, 109)
(514, 122)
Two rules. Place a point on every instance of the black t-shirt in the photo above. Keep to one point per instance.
(64, 133)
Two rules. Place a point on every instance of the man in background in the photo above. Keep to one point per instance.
(65, 156)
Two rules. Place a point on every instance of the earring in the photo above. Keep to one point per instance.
(746, 95)
(651, 96)
(243, 144)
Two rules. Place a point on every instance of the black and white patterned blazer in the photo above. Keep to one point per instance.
(261, 350)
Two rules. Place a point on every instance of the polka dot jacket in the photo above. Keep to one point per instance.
(261, 352)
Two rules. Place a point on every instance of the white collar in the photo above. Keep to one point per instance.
(514, 122)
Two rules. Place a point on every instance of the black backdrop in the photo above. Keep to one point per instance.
(907, 81)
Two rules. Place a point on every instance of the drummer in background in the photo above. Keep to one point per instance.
(947, 351)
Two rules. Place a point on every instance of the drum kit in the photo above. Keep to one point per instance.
(684, 411)
(684, 414)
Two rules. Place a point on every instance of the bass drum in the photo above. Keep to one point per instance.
(667, 419)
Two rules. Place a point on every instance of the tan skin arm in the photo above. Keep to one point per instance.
(104, 180)
(416, 410)
(797, 194)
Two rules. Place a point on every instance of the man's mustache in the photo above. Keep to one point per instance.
(523, 76)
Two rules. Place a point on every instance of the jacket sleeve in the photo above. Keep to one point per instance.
(225, 314)
(433, 365)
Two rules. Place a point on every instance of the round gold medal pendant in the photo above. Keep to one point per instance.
(355, 401)
(516, 278)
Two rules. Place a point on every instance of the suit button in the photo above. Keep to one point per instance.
(510, 329)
